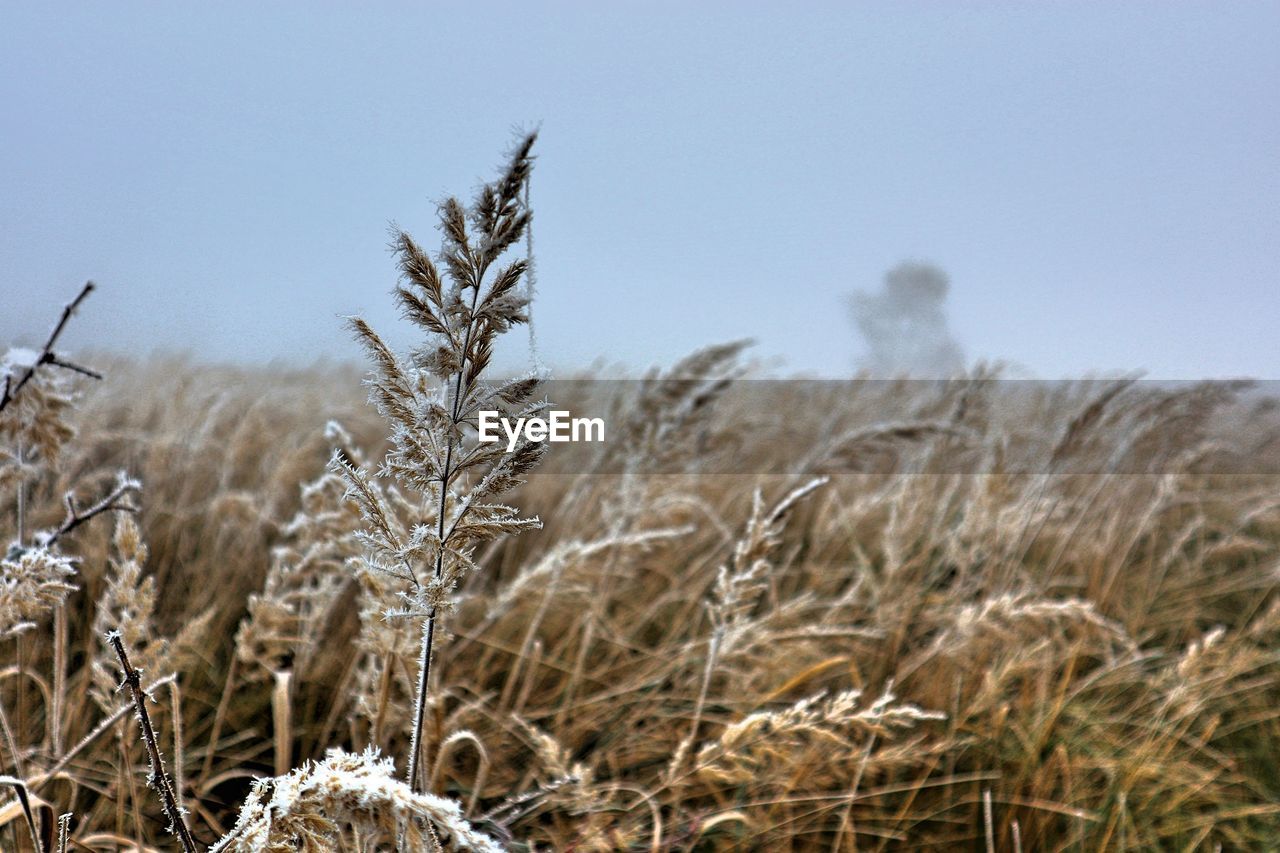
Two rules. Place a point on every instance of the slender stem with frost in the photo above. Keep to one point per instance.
(429, 627)
(159, 780)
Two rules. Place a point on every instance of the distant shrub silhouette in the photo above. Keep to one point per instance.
(905, 324)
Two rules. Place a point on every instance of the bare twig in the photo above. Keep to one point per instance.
(159, 779)
(58, 361)
(98, 731)
(114, 501)
(47, 356)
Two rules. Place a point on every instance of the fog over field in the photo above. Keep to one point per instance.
(1099, 181)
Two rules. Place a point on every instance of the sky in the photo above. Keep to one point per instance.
(1100, 181)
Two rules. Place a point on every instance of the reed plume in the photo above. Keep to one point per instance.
(431, 399)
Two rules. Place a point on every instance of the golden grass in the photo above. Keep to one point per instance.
(908, 658)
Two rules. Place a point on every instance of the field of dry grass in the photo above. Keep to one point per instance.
(778, 616)
(905, 660)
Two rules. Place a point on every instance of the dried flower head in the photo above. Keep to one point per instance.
(317, 808)
(32, 582)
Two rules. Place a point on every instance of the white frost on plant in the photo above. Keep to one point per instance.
(309, 809)
(18, 358)
(33, 581)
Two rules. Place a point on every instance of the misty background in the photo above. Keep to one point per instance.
(1068, 187)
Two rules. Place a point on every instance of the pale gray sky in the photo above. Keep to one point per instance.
(1100, 180)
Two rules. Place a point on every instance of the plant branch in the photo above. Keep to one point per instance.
(76, 516)
(98, 731)
(47, 356)
(159, 779)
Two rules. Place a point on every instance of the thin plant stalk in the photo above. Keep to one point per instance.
(160, 780)
(179, 757)
(429, 628)
(59, 677)
(64, 832)
(22, 499)
(11, 742)
(219, 716)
